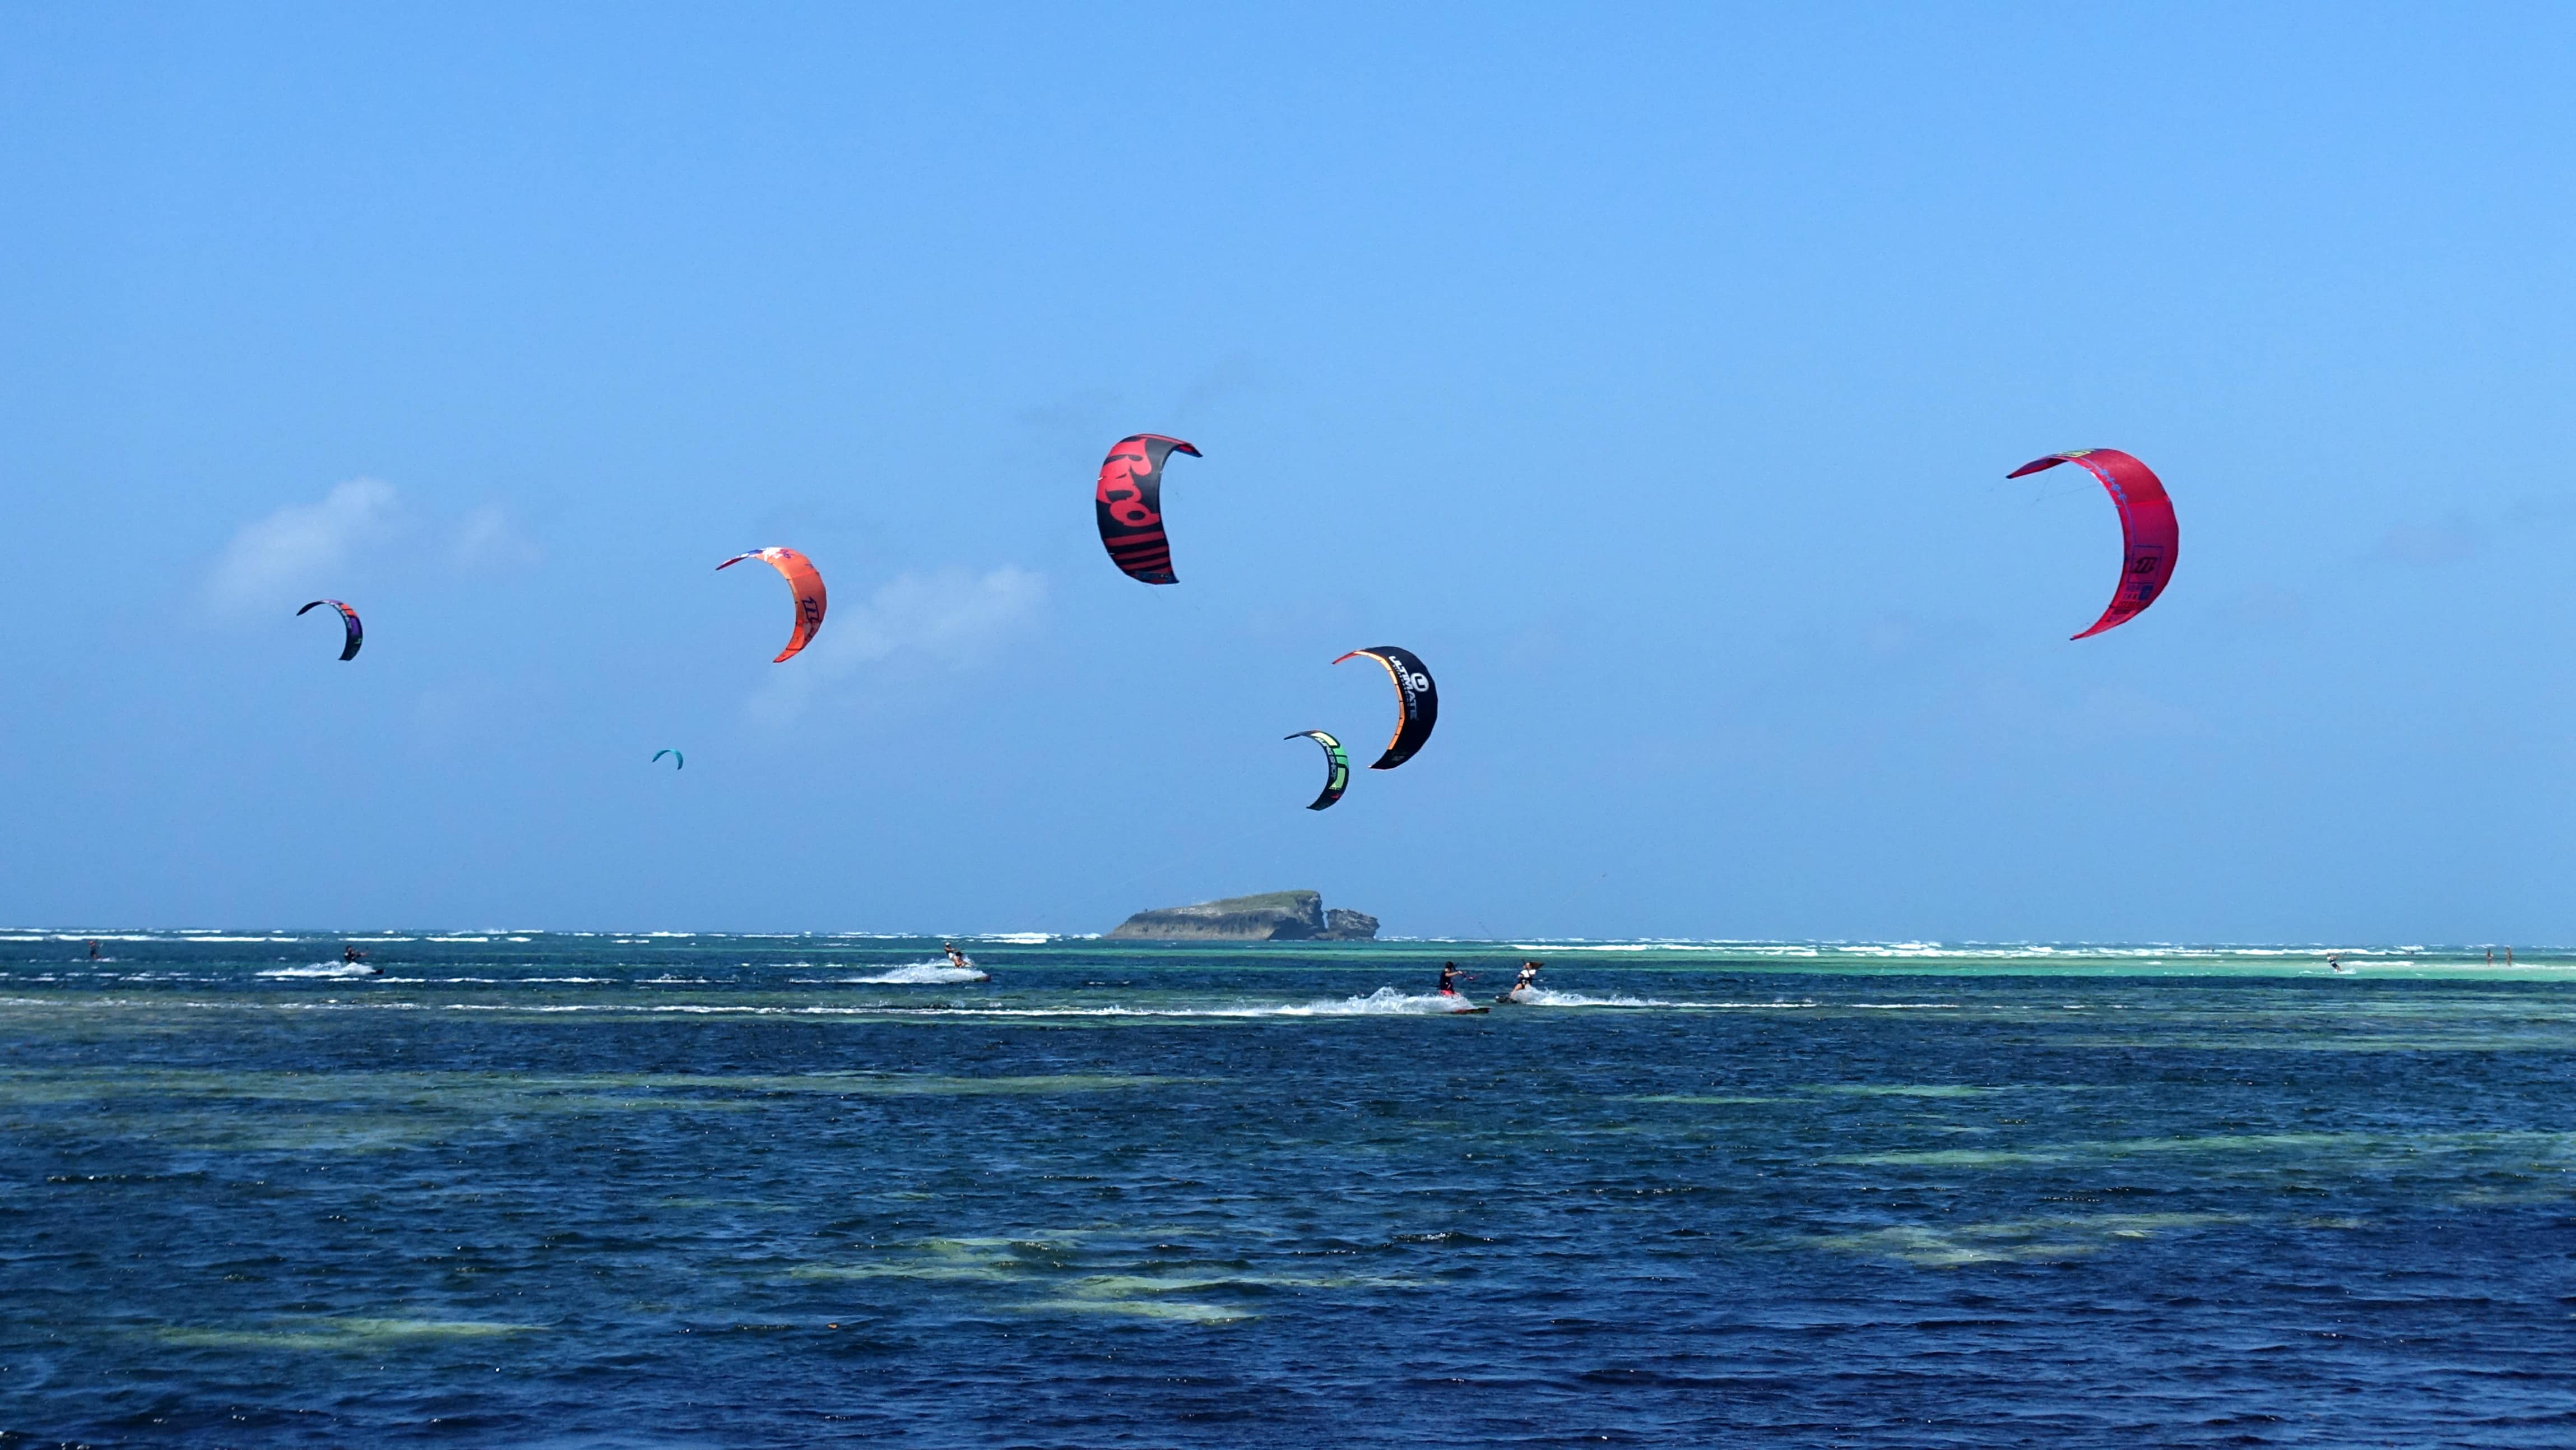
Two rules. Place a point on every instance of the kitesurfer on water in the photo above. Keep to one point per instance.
(93, 949)
(1528, 979)
(1449, 975)
(956, 958)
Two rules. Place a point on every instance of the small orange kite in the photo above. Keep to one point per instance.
(802, 578)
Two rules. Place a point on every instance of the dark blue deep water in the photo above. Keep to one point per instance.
(726, 1191)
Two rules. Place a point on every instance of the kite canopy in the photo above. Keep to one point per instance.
(678, 761)
(1129, 505)
(804, 582)
(2149, 536)
(1414, 692)
(348, 617)
(1337, 767)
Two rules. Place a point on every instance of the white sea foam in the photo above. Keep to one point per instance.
(1608, 946)
(1543, 997)
(1385, 1001)
(1019, 938)
(501, 980)
(922, 974)
(334, 970)
(2076, 952)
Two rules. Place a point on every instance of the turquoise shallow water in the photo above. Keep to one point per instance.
(530, 1189)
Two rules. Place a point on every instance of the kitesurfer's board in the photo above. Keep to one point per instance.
(1468, 1011)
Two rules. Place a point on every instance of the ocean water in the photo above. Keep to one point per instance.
(552, 1190)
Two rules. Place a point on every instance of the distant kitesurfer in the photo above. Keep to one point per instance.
(2334, 963)
(1449, 975)
(956, 958)
(1528, 979)
(93, 949)
(352, 954)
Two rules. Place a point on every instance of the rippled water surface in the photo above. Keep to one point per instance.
(535, 1189)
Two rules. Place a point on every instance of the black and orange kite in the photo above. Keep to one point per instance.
(1417, 700)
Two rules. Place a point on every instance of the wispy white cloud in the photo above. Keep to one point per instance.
(299, 548)
(490, 538)
(949, 619)
(363, 526)
(953, 615)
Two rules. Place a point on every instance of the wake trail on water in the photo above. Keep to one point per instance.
(920, 974)
(1384, 1001)
(323, 969)
(1544, 997)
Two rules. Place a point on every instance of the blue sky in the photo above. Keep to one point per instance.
(1650, 372)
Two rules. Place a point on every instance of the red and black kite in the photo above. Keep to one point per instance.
(1129, 503)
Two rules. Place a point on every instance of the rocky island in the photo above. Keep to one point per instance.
(1271, 916)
